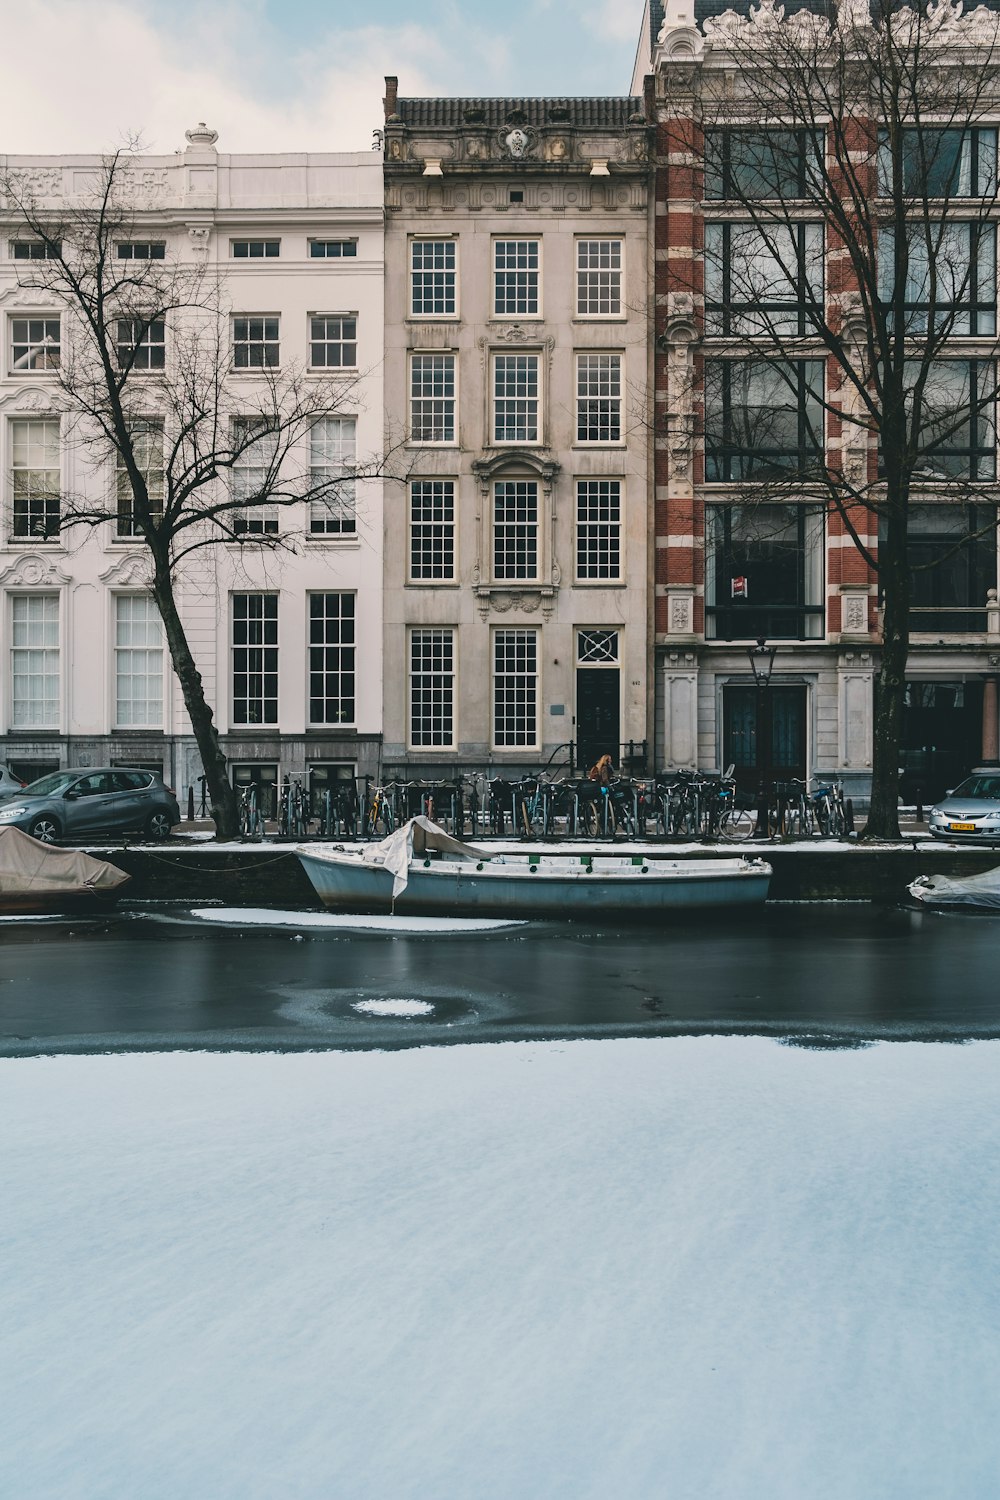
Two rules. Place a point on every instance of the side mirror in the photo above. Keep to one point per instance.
(72, 795)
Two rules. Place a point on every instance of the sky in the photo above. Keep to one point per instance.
(280, 75)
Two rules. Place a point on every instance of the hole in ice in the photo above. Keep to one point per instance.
(394, 1007)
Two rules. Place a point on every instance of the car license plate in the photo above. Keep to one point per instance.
(962, 827)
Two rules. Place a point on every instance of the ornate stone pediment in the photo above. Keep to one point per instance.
(131, 570)
(33, 570)
(29, 401)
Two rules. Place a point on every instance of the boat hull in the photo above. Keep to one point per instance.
(347, 883)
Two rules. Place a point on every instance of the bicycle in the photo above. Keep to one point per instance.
(380, 819)
(251, 818)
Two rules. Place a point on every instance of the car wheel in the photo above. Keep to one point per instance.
(45, 829)
(159, 825)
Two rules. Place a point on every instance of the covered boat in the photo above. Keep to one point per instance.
(35, 877)
(970, 892)
(420, 868)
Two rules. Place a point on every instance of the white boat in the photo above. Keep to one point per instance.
(420, 868)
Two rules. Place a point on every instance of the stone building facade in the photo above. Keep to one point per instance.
(803, 584)
(289, 644)
(517, 375)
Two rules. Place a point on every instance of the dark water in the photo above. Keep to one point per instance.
(820, 976)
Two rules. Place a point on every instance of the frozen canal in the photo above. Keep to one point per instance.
(611, 1258)
(822, 974)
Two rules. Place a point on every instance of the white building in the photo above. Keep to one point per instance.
(288, 644)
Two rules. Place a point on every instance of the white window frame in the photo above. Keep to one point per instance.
(126, 249)
(318, 239)
(424, 442)
(593, 533)
(249, 342)
(432, 239)
(324, 671)
(334, 519)
(519, 525)
(439, 682)
(43, 356)
(265, 240)
(20, 538)
(124, 525)
(598, 272)
(436, 531)
(257, 518)
(506, 315)
(326, 342)
(134, 350)
(515, 744)
(127, 654)
(496, 439)
(50, 718)
(615, 404)
(262, 647)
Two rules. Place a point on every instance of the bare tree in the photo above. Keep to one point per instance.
(144, 381)
(850, 285)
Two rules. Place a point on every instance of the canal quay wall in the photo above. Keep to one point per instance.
(268, 875)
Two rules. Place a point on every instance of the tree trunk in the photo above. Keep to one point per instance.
(890, 687)
(221, 793)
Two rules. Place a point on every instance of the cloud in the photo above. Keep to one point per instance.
(615, 19)
(112, 69)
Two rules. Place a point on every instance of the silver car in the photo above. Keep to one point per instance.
(86, 803)
(972, 811)
(8, 781)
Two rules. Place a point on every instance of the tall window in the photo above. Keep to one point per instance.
(433, 278)
(432, 529)
(761, 281)
(255, 343)
(754, 164)
(598, 398)
(333, 342)
(34, 661)
(35, 477)
(432, 398)
(951, 277)
(515, 278)
(515, 528)
(958, 434)
(255, 658)
(942, 162)
(598, 529)
(515, 689)
(952, 552)
(432, 688)
(332, 450)
(763, 418)
(35, 345)
(331, 658)
(141, 345)
(598, 278)
(764, 572)
(515, 398)
(253, 477)
(138, 663)
(147, 445)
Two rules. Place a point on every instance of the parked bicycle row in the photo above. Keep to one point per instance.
(686, 805)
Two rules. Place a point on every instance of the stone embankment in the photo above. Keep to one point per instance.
(270, 874)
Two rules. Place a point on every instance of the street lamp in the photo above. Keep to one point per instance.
(761, 662)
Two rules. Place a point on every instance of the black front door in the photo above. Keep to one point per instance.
(785, 707)
(941, 739)
(598, 715)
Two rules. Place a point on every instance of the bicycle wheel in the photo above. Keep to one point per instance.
(737, 823)
(590, 822)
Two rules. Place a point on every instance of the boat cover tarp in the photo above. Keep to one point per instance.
(974, 890)
(30, 868)
(418, 836)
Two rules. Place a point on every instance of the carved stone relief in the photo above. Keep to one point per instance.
(132, 570)
(31, 571)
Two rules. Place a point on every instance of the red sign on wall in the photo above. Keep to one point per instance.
(740, 590)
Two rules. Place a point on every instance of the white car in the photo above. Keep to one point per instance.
(9, 783)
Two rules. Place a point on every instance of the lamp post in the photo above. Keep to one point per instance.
(761, 661)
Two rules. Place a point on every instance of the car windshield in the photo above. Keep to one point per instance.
(987, 787)
(50, 786)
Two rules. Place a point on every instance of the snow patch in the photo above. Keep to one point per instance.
(394, 1007)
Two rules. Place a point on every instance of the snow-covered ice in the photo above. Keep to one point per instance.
(394, 1007)
(681, 1269)
(247, 916)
